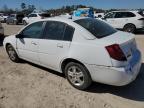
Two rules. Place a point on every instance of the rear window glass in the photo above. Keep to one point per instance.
(98, 28)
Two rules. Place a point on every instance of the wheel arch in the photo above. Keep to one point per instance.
(68, 60)
(129, 24)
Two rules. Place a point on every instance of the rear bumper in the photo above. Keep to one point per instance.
(115, 76)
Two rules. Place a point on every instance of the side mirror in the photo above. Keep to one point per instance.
(19, 36)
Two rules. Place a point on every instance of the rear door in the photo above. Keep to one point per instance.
(55, 44)
(28, 45)
(123, 18)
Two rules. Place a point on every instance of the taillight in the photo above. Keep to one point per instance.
(141, 19)
(115, 52)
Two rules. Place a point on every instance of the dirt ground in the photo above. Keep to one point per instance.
(26, 85)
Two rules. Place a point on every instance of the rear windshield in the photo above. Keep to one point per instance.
(98, 28)
(44, 15)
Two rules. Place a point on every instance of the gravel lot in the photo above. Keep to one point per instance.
(26, 85)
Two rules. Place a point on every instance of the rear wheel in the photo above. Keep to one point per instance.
(77, 75)
(12, 54)
(129, 28)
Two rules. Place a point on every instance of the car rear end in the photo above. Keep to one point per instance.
(117, 47)
(125, 58)
(139, 22)
(19, 18)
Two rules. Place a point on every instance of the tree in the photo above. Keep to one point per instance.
(31, 8)
(5, 8)
(23, 6)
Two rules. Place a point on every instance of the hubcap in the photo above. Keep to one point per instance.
(11, 53)
(75, 75)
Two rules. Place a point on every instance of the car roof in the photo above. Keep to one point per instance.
(59, 18)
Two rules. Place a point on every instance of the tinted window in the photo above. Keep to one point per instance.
(44, 15)
(68, 35)
(98, 28)
(141, 13)
(54, 30)
(32, 15)
(33, 31)
(110, 15)
(130, 14)
(124, 15)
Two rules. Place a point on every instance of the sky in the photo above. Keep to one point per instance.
(49, 4)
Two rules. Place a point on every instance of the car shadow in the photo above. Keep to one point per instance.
(45, 69)
(132, 91)
(139, 32)
(1, 40)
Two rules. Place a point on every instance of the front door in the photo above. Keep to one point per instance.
(28, 44)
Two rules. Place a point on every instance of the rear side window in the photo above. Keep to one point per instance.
(98, 28)
(110, 15)
(141, 13)
(124, 15)
(54, 30)
(68, 35)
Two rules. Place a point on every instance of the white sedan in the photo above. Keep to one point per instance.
(84, 49)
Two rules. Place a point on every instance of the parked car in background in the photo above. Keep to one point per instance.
(1, 30)
(34, 17)
(66, 15)
(84, 49)
(98, 15)
(3, 17)
(128, 21)
(15, 19)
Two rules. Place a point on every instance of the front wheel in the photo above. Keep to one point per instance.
(78, 76)
(12, 54)
(129, 28)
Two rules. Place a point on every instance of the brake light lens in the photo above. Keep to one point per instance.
(116, 52)
(141, 19)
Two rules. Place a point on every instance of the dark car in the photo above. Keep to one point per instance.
(15, 19)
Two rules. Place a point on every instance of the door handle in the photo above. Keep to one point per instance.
(59, 45)
(33, 43)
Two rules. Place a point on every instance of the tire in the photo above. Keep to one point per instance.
(12, 54)
(77, 75)
(129, 28)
